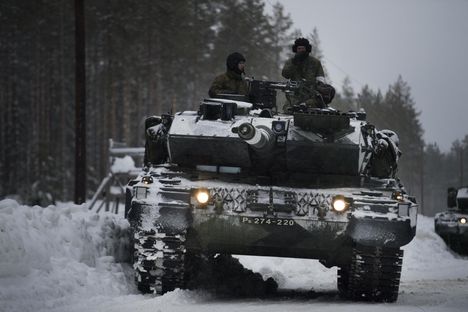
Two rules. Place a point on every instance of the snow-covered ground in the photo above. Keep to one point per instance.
(66, 258)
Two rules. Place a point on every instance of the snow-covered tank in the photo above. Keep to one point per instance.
(239, 179)
(452, 225)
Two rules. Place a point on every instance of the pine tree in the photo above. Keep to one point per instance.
(434, 180)
(402, 117)
(316, 45)
(372, 103)
(143, 58)
(281, 24)
(244, 27)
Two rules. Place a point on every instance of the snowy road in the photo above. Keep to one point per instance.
(64, 258)
(423, 295)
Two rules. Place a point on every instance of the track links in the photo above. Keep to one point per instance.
(158, 261)
(373, 275)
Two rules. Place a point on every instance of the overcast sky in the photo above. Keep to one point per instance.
(374, 41)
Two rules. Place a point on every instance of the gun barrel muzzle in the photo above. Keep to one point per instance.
(256, 137)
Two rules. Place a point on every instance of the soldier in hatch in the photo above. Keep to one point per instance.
(232, 81)
(308, 70)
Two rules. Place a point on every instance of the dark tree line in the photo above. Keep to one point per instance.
(36, 93)
(444, 170)
(151, 57)
(142, 58)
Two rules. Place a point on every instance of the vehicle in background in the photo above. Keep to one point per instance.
(452, 225)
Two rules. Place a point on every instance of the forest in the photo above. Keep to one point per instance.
(151, 57)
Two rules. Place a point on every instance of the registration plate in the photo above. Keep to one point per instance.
(268, 221)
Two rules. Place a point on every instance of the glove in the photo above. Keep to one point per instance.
(155, 131)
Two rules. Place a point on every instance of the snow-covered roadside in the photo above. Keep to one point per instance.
(427, 256)
(51, 257)
(66, 258)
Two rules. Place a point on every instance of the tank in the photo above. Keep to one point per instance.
(235, 177)
(452, 224)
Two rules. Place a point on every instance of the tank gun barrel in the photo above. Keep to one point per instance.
(285, 86)
(257, 137)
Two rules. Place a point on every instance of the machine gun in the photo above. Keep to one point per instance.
(263, 93)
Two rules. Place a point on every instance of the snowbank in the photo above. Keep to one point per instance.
(51, 256)
(428, 257)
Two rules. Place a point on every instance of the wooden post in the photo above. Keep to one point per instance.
(80, 104)
(422, 179)
(461, 166)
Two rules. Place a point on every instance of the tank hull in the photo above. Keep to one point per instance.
(455, 234)
(278, 221)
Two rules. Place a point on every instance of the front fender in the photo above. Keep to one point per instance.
(164, 217)
(381, 232)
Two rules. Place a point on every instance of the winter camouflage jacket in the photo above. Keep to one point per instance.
(229, 82)
(308, 69)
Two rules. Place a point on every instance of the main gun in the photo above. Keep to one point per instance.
(258, 137)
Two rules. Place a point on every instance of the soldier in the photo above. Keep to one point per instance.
(156, 139)
(307, 69)
(386, 155)
(232, 81)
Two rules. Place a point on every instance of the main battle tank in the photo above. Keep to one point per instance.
(452, 224)
(236, 178)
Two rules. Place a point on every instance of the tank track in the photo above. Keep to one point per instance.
(455, 243)
(158, 261)
(373, 274)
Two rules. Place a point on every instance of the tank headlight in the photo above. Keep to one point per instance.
(462, 220)
(202, 196)
(147, 180)
(339, 203)
(397, 195)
